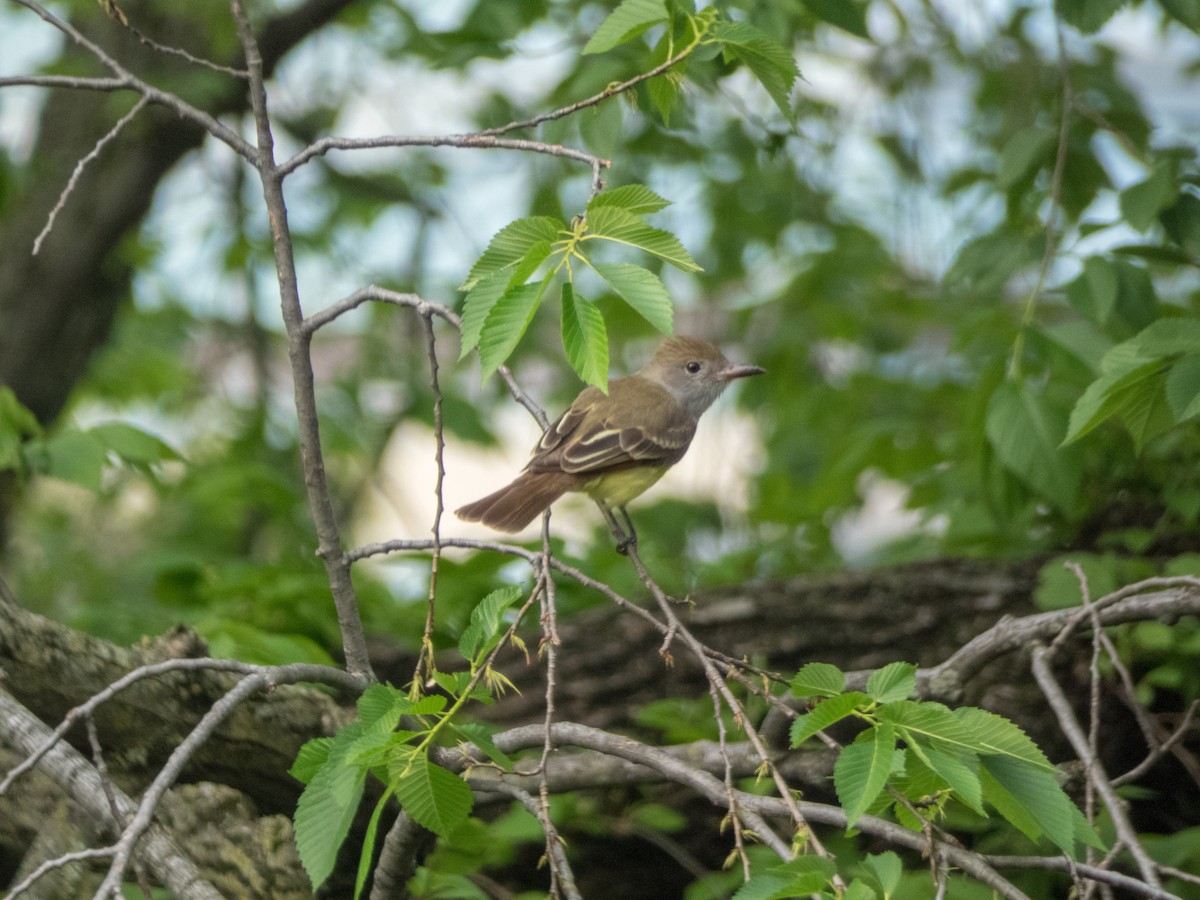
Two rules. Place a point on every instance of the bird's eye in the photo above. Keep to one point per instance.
(693, 367)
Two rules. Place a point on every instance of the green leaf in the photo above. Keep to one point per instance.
(627, 21)
(818, 680)
(512, 244)
(824, 714)
(1142, 202)
(483, 298)
(1087, 15)
(623, 227)
(433, 797)
(16, 424)
(1030, 799)
(662, 91)
(481, 736)
(379, 707)
(310, 758)
(1027, 434)
(928, 722)
(483, 631)
(862, 770)
(765, 887)
(1133, 394)
(1094, 293)
(506, 324)
(324, 814)
(1183, 387)
(132, 444)
(1024, 153)
(959, 768)
(895, 681)
(1082, 339)
(882, 871)
(1185, 11)
(1166, 337)
(642, 290)
(773, 66)
(849, 15)
(367, 854)
(76, 456)
(635, 198)
(584, 338)
(997, 736)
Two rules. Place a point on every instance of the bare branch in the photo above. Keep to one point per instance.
(165, 98)
(1095, 769)
(464, 141)
(81, 165)
(80, 781)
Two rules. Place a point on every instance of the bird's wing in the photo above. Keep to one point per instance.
(601, 432)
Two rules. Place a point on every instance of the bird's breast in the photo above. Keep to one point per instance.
(618, 488)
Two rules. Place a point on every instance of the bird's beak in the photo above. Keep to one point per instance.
(733, 372)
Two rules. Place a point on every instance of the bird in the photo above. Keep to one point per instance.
(613, 446)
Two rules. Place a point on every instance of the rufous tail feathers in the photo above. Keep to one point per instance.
(513, 507)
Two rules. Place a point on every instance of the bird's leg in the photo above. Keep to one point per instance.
(630, 531)
(624, 539)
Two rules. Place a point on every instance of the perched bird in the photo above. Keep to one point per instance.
(614, 446)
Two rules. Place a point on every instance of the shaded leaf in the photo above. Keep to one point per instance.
(642, 290)
(584, 338)
(627, 21)
(1027, 434)
(769, 61)
(862, 770)
(622, 227)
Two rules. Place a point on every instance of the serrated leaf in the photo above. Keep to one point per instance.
(1131, 394)
(1026, 432)
(824, 714)
(997, 736)
(773, 66)
(623, 227)
(482, 298)
(585, 338)
(1167, 337)
(862, 770)
(928, 722)
(479, 735)
(311, 756)
(764, 887)
(379, 707)
(959, 768)
(323, 817)
(627, 21)
(483, 630)
(642, 290)
(882, 871)
(1183, 387)
(662, 91)
(895, 681)
(367, 855)
(1030, 799)
(506, 324)
(634, 198)
(433, 797)
(512, 244)
(818, 679)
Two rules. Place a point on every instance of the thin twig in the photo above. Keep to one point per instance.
(1056, 182)
(461, 141)
(1095, 769)
(425, 661)
(81, 165)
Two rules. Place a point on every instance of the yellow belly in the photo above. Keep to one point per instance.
(618, 488)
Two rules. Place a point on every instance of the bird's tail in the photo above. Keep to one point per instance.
(513, 507)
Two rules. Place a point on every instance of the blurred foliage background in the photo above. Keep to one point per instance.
(931, 301)
(969, 264)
